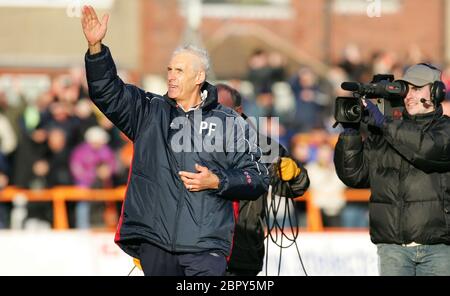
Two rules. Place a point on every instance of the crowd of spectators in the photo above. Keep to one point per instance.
(58, 137)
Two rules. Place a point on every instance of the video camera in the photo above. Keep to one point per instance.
(390, 95)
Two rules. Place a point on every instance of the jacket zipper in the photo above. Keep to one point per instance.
(402, 174)
(180, 203)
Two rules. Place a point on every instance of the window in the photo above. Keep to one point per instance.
(259, 9)
(366, 6)
(247, 2)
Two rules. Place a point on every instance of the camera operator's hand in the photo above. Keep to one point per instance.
(351, 128)
(373, 116)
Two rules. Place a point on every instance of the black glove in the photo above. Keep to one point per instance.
(351, 128)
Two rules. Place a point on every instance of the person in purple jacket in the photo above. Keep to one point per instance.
(84, 161)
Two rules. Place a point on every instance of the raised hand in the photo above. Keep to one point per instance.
(93, 29)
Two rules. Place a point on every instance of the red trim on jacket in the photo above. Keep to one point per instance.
(119, 225)
(236, 217)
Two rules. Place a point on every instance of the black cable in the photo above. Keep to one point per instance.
(281, 254)
(271, 210)
(275, 228)
(267, 252)
(300, 258)
(267, 210)
(131, 270)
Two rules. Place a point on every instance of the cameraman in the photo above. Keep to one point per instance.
(406, 164)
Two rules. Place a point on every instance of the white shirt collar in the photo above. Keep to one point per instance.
(203, 96)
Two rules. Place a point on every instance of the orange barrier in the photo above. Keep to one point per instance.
(314, 217)
(59, 196)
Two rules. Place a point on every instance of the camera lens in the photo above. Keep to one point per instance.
(352, 111)
(348, 109)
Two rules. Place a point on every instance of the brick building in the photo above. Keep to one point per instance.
(307, 31)
(142, 33)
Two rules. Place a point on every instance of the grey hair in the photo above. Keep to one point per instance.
(201, 53)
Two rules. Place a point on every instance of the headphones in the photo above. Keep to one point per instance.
(437, 87)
